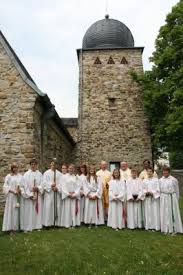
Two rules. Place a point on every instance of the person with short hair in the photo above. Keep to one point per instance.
(135, 196)
(116, 218)
(33, 190)
(52, 180)
(82, 176)
(93, 214)
(151, 190)
(12, 219)
(169, 204)
(125, 171)
(71, 199)
(64, 169)
(105, 177)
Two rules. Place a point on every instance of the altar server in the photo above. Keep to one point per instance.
(12, 219)
(152, 201)
(32, 193)
(116, 215)
(52, 196)
(169, 204)
(135, 195)
(70, 199)
(82, 176)
(93, 199)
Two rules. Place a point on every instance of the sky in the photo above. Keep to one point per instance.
(46, 33)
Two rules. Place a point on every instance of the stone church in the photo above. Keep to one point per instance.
(111, 123)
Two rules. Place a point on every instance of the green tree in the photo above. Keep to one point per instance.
(163, 85)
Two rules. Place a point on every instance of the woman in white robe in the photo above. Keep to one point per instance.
(151, 190)
(33, 190)
(52, 180)
(82, 177)
(93, 199)
(12, 219)
(135, 196)
(116, 214)
(169, 204)
(70, 199)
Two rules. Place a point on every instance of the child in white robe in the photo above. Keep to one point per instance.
(70, 199)
(152, 201)
(116, 215)
(93, 199)
(33, 190)
(135, 196)
(12, 219)
(169, 204)
(52, 180)
(82, 176)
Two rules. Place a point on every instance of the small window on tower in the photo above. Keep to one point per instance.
(124, 61)
(110, 61)
(112, 102)
(97, 61)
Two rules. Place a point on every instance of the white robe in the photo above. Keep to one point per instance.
(169, 206)
(82, 199)
(70, 206)
(12, 219)
(152, 204)
(93, 208)
(134, 208)
(32, 207)
(116, 211)
(52, 202)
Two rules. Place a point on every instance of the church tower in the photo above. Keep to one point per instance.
(112, 125)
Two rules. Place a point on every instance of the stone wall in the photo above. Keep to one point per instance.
(112, 123)
(25, 130)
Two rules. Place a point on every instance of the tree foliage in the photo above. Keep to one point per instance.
(163, 85)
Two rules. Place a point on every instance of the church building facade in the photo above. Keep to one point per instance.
(111, 123)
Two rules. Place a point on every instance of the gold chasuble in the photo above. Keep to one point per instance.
(105, 176)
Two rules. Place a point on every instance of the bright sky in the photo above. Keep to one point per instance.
(46, 33)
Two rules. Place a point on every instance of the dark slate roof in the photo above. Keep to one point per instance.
(48, 106)
(108, 33)
(70, 122)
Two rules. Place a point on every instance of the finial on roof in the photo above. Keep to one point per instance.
(107, 16)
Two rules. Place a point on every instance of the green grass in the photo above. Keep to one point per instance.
(91, 251)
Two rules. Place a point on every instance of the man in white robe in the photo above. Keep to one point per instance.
(33, 190)
(13, 212)
(135, 195)
(143, 175)
(52, 180)
(70, 199)
(169, 204)
(116, 214)
(93, 199)
(151, 190)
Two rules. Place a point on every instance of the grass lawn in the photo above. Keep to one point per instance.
(91, 251)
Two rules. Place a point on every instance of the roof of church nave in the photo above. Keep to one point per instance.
(29, 81)
(106, 34)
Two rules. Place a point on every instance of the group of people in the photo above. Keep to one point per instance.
(121, 198)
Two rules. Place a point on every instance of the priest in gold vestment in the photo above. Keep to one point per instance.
(105, 177)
